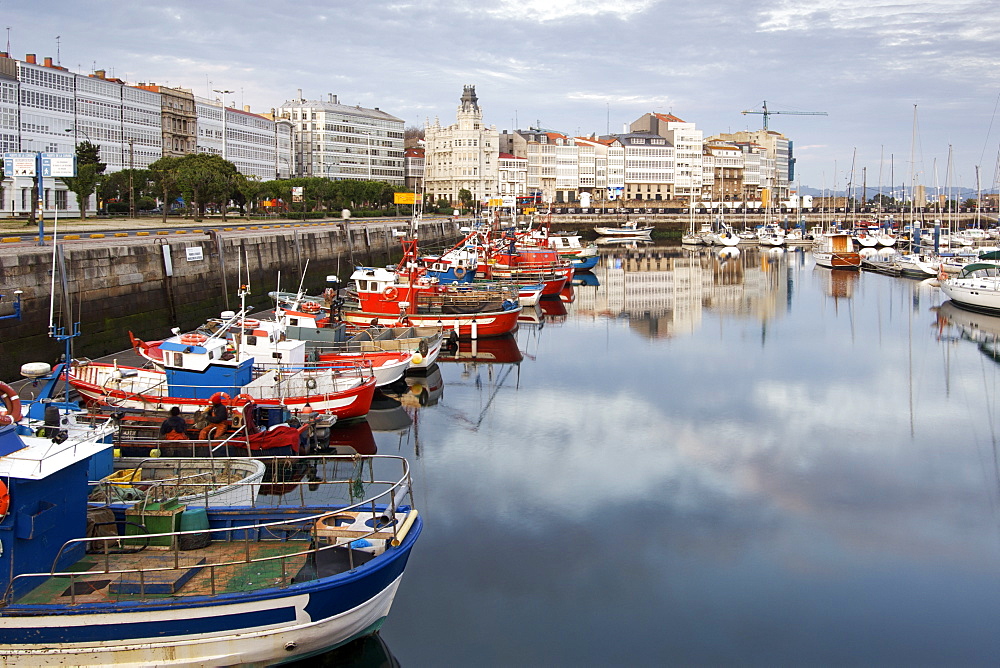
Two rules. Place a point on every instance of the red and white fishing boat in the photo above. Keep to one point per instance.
(407, 296)
(193, 367)
(525, 265)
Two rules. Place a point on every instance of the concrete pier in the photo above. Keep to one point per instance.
(149, 284)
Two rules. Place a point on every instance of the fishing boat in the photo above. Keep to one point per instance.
(171, 584)
(629, 228)
(406, 295)
(194, 367)
(568, 246)
(528, 266)
(835, 250)
(192, 481)
(582, 257)
(976, 287)
(323, 334)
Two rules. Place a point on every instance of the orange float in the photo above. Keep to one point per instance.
(12, 404)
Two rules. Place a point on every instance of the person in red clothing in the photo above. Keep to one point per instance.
(218, 418)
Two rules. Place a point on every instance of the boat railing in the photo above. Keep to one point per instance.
(193, 478)
(381, 519)
(64, 440)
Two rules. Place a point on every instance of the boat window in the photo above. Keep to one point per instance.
(178, 359)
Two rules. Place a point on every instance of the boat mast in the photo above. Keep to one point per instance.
(913, 171)
(881, 162)
(979, 197)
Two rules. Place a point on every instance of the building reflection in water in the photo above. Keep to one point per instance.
(664, 291)
(839, 283)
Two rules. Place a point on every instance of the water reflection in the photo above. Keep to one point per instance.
(838, 283)
(978, 328)
(387, 413)
(778, 480)
(554, 309)
(664, 291)
(352, 436)
(496, 350)
(367, 652)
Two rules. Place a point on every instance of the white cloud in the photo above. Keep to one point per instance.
(560, 10)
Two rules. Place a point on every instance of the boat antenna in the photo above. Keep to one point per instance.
(302, 280)
(61, 334)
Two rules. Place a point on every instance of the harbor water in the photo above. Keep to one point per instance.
(699, 458)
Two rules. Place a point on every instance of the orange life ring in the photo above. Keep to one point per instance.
(311, 307)
(12, 411)
(248, 323)
(193, 338)
(459, 272)
(4, 499)
(390, 293)
(242, 399)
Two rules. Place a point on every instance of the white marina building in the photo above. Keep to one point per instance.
(338, 141)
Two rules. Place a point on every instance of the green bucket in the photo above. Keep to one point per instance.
(194, 519)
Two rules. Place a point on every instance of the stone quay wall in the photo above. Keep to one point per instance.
(148, 285)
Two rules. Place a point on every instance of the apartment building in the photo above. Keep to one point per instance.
(338, 141)
(722, 173)
(47, 108)
(512, 176)
(602, 167)
(257, 144)
(649, 167)
(687, 143)
(413, 168)
(774, 153)
(179, 119)
(463, 155)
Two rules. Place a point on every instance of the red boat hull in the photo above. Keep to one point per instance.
(468, 325)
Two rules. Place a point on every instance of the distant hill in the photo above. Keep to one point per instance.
(871, 191)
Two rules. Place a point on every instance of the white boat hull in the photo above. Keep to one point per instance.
(982, 294)
(253, 646)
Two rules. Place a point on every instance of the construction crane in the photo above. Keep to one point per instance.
(765, 112)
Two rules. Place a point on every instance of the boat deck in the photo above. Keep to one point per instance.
(99, 578)
(242, 556)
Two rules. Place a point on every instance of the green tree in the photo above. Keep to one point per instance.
(164, 181)
(89, 169)
(250, 190)
(206, 178)
(123, 185)
(465, 198)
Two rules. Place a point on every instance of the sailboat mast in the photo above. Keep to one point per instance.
(881, 161)
(913, 170)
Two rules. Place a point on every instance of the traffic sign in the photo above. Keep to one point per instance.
(58, 164)
(19, 164)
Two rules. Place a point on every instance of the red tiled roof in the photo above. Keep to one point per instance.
(668, 118)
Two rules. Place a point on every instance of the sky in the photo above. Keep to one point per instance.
(910, 89)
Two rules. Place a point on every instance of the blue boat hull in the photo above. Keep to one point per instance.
(239, 628)
(586, 263)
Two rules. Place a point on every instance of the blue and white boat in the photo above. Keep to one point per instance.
(161, 584)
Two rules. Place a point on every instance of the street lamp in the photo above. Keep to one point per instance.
(76, 129)
(223, 93)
